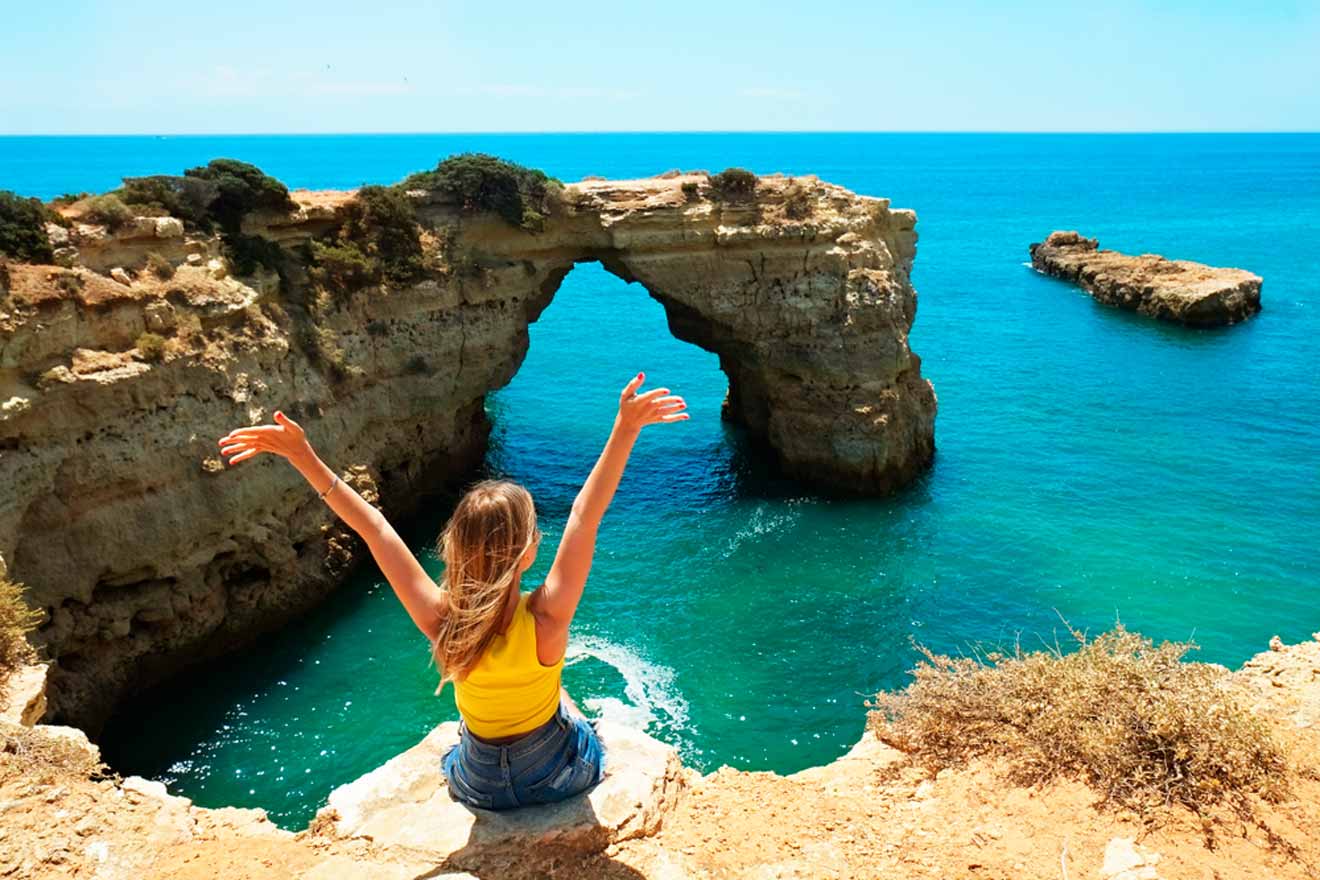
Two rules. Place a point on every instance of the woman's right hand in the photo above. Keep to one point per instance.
(636, 411)
(285, 438)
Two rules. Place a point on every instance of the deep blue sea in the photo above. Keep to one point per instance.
(1091, 464)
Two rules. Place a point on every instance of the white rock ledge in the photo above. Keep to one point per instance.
(406, 803)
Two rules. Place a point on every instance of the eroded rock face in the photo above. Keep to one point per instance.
(123, 522)
(1173, 290)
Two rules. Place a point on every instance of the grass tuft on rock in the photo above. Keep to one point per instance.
(40, 756)
(159, 266)
(151, 347)
(1138, 723)
(16, 621)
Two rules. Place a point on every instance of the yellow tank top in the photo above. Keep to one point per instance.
(509, 692)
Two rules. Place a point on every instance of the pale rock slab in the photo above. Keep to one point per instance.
(405, 803)
(23, 695)
(1124, 860)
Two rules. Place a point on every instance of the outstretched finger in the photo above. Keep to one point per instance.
(243, 456)
(249, 433)
(653, 394)
(675, 417)
(631, 387)
(285, 421)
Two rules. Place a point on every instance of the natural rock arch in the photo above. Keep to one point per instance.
(809, 318)
(148, 554)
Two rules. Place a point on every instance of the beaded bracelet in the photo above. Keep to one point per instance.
(328, 489)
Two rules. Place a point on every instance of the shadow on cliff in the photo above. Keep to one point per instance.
(486, 856)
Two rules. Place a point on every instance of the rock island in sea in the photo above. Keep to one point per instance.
(1173, 290)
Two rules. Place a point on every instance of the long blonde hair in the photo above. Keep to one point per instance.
(482, 546)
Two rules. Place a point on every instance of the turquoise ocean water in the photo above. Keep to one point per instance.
(1090, 463)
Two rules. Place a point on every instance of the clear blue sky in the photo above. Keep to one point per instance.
(332, 66)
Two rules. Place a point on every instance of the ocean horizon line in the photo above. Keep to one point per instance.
(676, 132)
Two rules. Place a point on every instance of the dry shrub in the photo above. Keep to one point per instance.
(109, 211)
(733, 184)
(41, 757)
(159, 266)
(1143, 727)
(797, 202)
(16, 621)
(151, 347)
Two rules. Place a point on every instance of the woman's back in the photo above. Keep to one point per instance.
(509, 691)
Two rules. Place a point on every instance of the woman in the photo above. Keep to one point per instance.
(522, 741)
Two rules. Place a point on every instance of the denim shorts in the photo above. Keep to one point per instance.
(557, 760)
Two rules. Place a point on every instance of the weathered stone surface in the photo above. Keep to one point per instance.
(1124, 860)
(23, 695)
(406, 803)
(809, 318)
(1173, 290)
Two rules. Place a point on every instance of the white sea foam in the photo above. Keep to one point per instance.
(649, 695)
(762, 523)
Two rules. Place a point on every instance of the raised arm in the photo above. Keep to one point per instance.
(556, 601)
(415, 589)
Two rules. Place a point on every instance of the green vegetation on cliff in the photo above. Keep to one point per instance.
(23, 229)
(108, 210)
(16, 621)
(480, 182)
(1145, 728)
(376, 239)
(733, 184)
(220, 192)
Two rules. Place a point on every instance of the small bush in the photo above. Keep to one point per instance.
(417, 365)
(67, 199)
(342, 268)
(109, 211)
(241, 188)
(797, 202)
(16, 621)
(23, 229)
(733, 184)
(70, 283)
(481, 182)
(248, 253)
(691, 190)
(187, 198)
(5, 280)
(1142, 726)
(151, 346)
(378, 328)
(159, 266)
(382, 224)
(39, 757)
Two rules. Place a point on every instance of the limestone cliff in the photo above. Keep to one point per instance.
(871, 813)
(1174, 290)
(120, 367)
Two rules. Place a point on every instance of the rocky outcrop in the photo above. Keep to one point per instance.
(870, 813)
(1173, 290)
(146, 553)
(405, 804)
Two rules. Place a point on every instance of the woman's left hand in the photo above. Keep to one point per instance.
(636, 411)
(284, 438)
